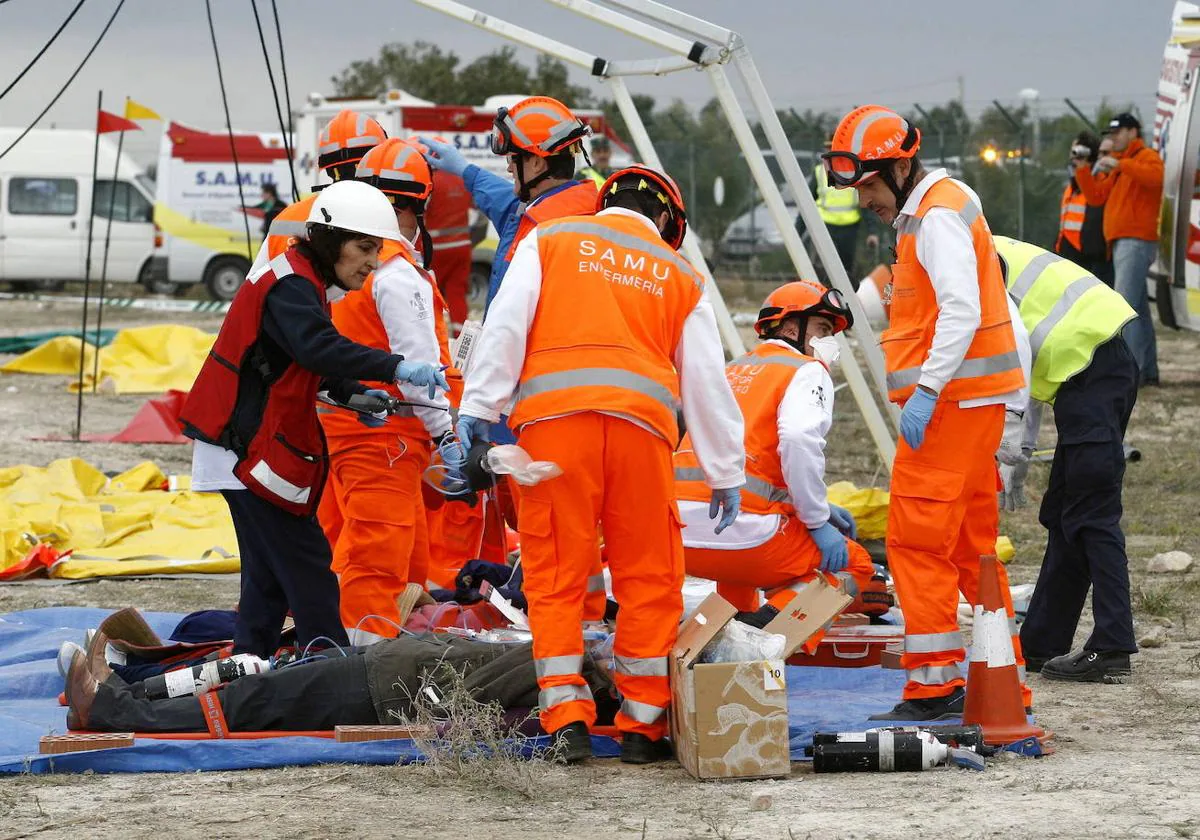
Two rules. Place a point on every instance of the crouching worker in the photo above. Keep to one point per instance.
(253, 415)
(603, 332)
(787, 532)
(374, 685)
(378, 531)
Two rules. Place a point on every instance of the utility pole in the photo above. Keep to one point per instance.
(1020, 127)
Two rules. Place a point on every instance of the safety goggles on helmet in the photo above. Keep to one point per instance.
(661, 187)
(847, 169)
(510, 137)
(831, 304)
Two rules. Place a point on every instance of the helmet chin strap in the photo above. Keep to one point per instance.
(797, 344)
(901, 192)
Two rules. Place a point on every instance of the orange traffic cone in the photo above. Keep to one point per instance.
(993, 685)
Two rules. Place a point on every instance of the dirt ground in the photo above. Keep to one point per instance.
(1125, 765)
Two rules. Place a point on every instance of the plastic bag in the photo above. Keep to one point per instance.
(515, 461)
(738, 642)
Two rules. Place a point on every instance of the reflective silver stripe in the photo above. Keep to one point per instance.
(642, 712)
(755, 486)
(849, 584)
(360, 125)
(1059, 311)
(860, 130)
(933, 642)
(783, 361)
(634, 666)
(934, 674)
(625, 240)
(398, 175)
(1021, 672)
(449, 246)
(1012, 626)
(1072, 225)
(797, 587)
(597, 377)
(969, 369)
(361, 638)
(280, 486)
(287, 227)
(909, 225)
(1024, 281)
(557, 694)
(280, 266)
(452, 231)
(1075, 208)
(595, 583)
(352, 143)
(559, 666)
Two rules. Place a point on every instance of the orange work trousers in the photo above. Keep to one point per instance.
(619, 476)
(780, 567)
(942, 516)
(383, 544)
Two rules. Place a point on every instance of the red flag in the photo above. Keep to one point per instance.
(106, 122)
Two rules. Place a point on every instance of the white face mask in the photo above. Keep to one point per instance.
(826, 350)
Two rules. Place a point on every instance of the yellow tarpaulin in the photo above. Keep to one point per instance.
(120, 526)
(140, 360)
(869, 507)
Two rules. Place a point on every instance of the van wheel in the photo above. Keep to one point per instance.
(481, 274)
(155, 285)
(224, 276)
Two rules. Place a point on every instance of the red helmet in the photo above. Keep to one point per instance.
(347, 137)
(538, 125)
(865, 142)
(803, 297)
(660, 186)
(397, 168)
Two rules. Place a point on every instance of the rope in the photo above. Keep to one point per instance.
(237, 171)
(63, 89)
(287, 98)
(42, 51)
(287, 140)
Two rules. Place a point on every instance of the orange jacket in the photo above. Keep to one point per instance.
(1131, 194)
(991, 365)
(288, 226)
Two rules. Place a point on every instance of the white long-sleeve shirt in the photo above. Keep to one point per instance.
(947, 253)
(804, 417)
(709, 408)
(404, 301)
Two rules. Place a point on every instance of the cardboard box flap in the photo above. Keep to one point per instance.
(813, 608)
(701, 627)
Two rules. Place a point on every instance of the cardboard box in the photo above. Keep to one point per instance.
(729, 720)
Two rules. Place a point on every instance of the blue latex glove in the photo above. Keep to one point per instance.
(834, 555)
(843, 520)
(421, 373)
(471, 430)
(726, 502)
(445, 156)
(374, 421)
(915, 417)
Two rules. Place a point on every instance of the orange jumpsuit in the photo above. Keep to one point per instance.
(769, 547)
(605, 330)
(448, 220)
(943, 513)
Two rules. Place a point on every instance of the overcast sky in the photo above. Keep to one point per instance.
(159, 53)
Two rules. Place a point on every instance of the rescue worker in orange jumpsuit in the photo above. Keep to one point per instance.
(787, 531)
(448, 220)
(602, 331)
(952, 363)
(375, 470)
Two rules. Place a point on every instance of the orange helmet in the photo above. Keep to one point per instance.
(348, 137)
(803, 297)
(865, 142)
(659, 186)
(538, 125)
(398, 169)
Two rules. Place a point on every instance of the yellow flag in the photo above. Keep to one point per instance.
(135, 111)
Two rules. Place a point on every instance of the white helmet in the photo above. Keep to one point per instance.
(355, 206)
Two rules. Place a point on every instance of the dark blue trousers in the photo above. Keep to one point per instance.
(1082, 512)
(285, 565)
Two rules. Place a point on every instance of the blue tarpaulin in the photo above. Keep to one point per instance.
(825, 699)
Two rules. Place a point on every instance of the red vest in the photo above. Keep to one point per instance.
(579, 199)
(266, 416)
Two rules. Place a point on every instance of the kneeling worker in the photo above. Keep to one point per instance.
(603, 333)
(787, 531)
(1084, 368)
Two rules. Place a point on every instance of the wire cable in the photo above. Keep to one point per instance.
(287, 141)
(67, 84)
(42, 51)
(287, 96)
(237, 170)
(316, 639)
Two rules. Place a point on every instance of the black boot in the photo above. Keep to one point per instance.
(638, 749)
(1089, 666)
(571, 744)
(927, 708)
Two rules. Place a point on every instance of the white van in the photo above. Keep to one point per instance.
(45, 193)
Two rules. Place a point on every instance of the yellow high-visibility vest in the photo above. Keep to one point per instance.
(1067, 311)
(837, 207)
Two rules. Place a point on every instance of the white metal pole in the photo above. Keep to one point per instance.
(691, 248)
(680, 20)
(639, 29)
(744, 135)
(512, 32)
